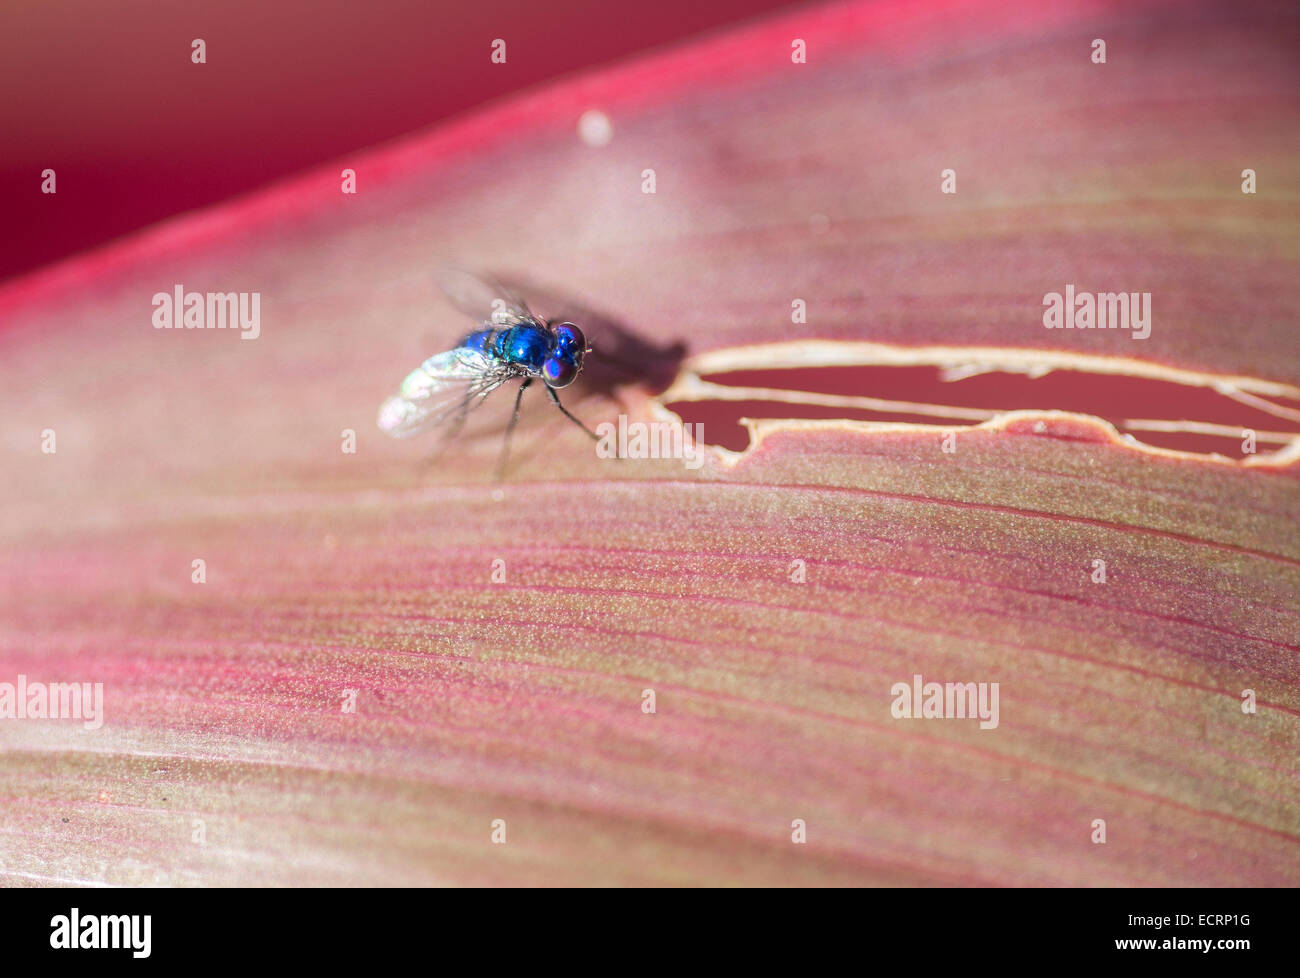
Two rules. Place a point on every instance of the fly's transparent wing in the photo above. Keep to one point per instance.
(482, 300)
(443, 387)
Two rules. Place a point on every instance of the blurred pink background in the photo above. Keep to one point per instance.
(107, 97)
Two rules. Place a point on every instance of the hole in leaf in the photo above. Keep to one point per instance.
(1209, 417)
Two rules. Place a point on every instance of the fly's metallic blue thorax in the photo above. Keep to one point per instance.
(526, 345)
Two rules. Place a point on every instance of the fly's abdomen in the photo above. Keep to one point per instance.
(481, 341)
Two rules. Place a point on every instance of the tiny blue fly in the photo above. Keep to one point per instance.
(513, 344)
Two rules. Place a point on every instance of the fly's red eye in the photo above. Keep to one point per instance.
(569, 341)
(559, 373)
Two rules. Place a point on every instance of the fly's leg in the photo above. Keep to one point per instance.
(555, 399)
(510, 429)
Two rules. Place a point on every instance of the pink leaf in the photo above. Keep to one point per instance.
(771, 598)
